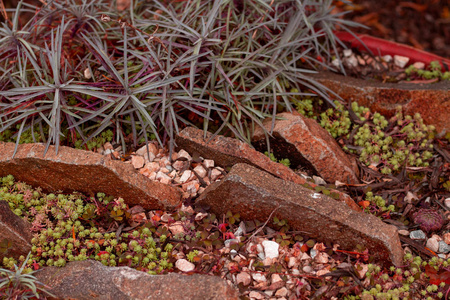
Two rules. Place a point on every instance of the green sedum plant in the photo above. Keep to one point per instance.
(284, 161)
(433, 71)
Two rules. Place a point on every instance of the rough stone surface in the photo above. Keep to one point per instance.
(226, 152)
(91, 280)
(307, 144)
(84, 171)
(432, 101)
(15, 233)
(252, 192)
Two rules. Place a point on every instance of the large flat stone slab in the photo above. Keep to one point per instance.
(226, 152)
(15, 233)
(84, 171)
(305, 142)
(86, 280)
(432, 101)
(251, 192)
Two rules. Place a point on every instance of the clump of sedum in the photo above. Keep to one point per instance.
(385, 144)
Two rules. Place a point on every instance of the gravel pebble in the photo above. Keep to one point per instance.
(258, 277)
(184, 265)
(433, 244)
(243, 278)
(271, 249)
(401, 61)
(444, 247)
(281, 292)
(417, 235)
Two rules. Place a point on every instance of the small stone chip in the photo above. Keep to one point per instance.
(184, 265)
(400, 61)
(417, 235)
(443, 247)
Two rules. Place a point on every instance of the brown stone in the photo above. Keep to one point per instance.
(15, 233)
(226, 152)
(251, 192)
(307, 144)
(92, 280)
(432, 101)
(84, 171)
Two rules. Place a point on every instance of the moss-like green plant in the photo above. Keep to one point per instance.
(434, 70)
(336, 121)
(283, 161)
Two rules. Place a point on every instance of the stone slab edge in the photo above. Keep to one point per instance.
(294, 132)
(258, 193)
(14, 230)
(226, 152)
(92, 280)
(30, 165)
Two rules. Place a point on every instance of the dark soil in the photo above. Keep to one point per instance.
(424, 24)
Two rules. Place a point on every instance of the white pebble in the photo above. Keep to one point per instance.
(256, 295)
(184, 265)
(258, 277)
(419, 65)
(183, 153)
(433, 244)
(200, 171)
(208, 163)
(336, 62)
(387, 58)
(243, 278)
(271, 249)
(400, 61)
(137, 161)
(352, 61)
(447, 202)
(215, 173)
(186, 175)
(348, 52)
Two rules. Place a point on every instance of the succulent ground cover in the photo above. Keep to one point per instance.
(84, 73)
(77, 227)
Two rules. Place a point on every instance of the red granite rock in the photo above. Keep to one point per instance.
(432, 101)
(86, 280)
(307, 144)
(84, 171)
(15, 234)
(226, 152)
(251, 192)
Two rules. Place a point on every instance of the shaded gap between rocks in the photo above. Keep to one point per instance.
(282, 149)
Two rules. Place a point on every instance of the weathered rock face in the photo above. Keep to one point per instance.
(92, 280)
(84, 171)
(226, 152)
(432, 101)
(307, 144)
(15, 234)
(254, 193)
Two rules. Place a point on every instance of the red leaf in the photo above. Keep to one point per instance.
(436, 277)
(383, 47)
(229, 235)
(223, 227)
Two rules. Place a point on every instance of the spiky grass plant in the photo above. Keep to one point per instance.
(160, 65)
(21, 285)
